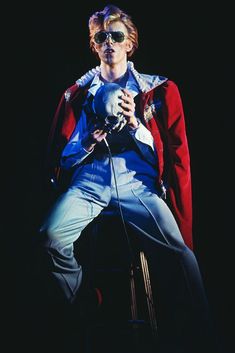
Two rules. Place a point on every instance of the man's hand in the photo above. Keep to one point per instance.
(128, 106)
(92, 138)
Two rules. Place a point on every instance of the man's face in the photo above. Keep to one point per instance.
(113, 52)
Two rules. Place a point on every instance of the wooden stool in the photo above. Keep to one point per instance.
(122, 274)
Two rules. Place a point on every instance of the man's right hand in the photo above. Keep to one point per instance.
(92, 138)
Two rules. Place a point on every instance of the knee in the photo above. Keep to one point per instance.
(186, 253)
(48, 235)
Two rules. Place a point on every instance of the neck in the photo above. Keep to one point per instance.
(113, 73)
(122, 80)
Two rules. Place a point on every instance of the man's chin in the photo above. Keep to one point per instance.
(109, 59)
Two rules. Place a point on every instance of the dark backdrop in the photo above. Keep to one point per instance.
(48, 50)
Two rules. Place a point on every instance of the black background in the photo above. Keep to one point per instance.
(47, 49)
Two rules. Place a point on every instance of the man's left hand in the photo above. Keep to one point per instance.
(128, 106)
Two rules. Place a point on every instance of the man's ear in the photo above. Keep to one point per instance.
(129, 46)
(94, 47)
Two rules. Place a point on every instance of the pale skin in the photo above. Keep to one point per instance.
(113, 64)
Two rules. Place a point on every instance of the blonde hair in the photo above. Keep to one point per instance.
(100, 20)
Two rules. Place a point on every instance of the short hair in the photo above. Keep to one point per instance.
(101, 19)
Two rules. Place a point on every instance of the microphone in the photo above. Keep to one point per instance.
(107, 107)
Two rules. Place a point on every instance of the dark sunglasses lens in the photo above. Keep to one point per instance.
(100, 37)
(118, 36)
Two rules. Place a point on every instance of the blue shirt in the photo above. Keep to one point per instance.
(74, 153)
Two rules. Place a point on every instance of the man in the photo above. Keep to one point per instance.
(150, 155)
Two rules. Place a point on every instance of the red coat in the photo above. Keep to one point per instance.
(167, 126)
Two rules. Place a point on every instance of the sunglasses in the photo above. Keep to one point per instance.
(102, 36)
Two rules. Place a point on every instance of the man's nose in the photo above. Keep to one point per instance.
(109, 38)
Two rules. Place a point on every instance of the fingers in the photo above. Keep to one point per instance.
(127, 104)
(127, 97)
(98, 135)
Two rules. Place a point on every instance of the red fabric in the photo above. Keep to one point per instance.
(169, 133)
(63, 124)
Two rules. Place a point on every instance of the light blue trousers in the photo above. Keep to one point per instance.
(93, 189)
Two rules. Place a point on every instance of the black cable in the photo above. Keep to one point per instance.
(150, 304)
(119, 203)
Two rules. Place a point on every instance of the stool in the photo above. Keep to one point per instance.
(125, 281)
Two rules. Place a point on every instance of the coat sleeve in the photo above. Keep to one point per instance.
(179, 174)
(62, 126)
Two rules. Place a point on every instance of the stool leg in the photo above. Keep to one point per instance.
(134, 314)
(148, 292)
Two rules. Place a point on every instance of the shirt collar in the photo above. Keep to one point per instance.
(131, 84)
(141, 82)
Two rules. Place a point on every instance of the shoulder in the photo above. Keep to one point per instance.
(73, 92)
(170, 85)
(150, 83)
(168, 89)
(70, 92)
(81, 85)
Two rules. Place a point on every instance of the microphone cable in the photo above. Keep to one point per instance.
(144, 267)
(119, 202)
